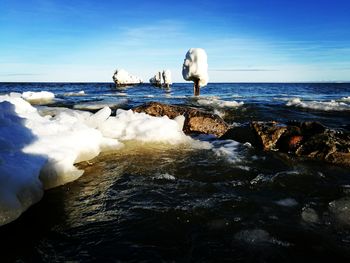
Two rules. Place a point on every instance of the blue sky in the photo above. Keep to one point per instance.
(246, 40)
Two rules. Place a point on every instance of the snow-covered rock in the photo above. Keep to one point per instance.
(122, 77)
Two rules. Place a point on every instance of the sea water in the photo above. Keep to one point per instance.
(217, 201)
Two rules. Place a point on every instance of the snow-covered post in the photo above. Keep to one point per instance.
(195, 68)
(167, 78)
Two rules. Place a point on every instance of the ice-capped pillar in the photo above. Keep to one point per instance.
(195, 68)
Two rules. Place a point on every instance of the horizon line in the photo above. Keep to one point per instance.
(188, 82)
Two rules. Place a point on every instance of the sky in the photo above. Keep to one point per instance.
(245, 40)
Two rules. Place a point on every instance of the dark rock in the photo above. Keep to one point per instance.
(290, 139)
(309, 140)
(196, 121)
(330, 146)
(268, 133)
(308, 128)
(241, 134)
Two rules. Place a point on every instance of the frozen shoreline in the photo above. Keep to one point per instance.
(39, 152)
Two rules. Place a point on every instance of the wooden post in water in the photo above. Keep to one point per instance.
(196, 87)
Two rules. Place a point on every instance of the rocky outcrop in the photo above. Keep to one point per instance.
(309, 140)
(196, 121)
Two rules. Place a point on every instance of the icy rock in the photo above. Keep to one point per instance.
(167, 77)
(196, 121)
(122, 77)
(195, 66)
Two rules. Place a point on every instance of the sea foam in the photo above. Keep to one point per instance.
(217, 103)
(319, 105)
(39, 152)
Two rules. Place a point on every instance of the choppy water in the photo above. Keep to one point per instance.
(155, 202)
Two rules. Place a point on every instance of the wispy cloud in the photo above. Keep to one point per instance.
(19, 74)
(245, 70)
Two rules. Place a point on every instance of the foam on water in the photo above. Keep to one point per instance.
(232, 151)
(165, 176)
(287, 202)
(319, 105)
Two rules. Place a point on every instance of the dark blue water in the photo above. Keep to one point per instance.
(158, 203)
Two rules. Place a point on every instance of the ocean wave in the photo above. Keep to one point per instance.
(75, 94)
(217, 103)
(346, 99)
(319, 105)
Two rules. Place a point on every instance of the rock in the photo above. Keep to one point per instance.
(196, 121)
(330, 146)
(307, 128)
(268, 133)
(309, 140)
(240, 134)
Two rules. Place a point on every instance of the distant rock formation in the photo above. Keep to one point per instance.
(156, 80)
(122, 78)
(196, 121)
(195, 68)
(161, 79)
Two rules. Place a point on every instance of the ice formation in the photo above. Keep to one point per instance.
(167, 77)
(122, 77)
(41, 97)
(39, 152)
(195, 68)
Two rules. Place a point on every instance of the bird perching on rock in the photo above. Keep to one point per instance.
(195, 68)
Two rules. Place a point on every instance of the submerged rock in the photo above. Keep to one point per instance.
(196, 121)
